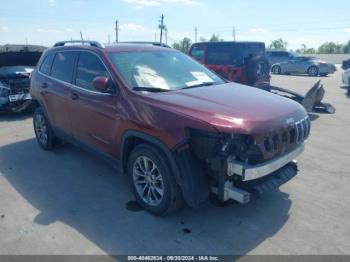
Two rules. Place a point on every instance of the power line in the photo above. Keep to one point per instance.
(116, 31)
(161, 27)
(195, 34)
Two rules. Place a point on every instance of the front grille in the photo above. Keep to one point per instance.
(285, 138)
(17, 85)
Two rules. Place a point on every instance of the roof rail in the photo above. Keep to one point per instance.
(144, 43)
(82, 42)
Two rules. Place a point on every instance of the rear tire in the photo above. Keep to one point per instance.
(43, 130)
(152, 181)
(276, 70)
(312, 71)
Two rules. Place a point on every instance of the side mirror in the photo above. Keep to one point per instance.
(101, 83)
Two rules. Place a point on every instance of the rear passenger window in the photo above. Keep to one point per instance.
(197, 52)
(45, 67)
(220, 54)
(63, 66)
(89, 67)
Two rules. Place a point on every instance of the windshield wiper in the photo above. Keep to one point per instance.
(199, 85)
(150, 89)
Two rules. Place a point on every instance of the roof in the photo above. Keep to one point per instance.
(117, 47)
(134, 47)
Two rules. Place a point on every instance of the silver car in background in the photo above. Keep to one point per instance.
(304, 65)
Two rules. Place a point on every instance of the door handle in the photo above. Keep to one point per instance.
(74, 96)
(44, 85)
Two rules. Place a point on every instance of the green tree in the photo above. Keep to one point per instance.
(183, 45)
(331, 48)
(278, 44)
(305, 50)
(346, 48)
(216, 38)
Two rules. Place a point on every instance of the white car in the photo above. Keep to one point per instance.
(346, 77)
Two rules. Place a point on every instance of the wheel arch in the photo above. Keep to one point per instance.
(133, 138)
(36, 103)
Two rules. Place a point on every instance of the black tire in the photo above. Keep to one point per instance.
(50, 141)
(276, 70)
(172, 199)
(312, 71)
(257, 68)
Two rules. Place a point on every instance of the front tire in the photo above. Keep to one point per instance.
(43, 131)
(312, 71)
(276, 70)
(152, 181)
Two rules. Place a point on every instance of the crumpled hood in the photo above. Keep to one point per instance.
(234, 107)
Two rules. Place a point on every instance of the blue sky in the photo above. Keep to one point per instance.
(47, 21)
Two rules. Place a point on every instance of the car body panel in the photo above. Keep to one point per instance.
(301, 65)
(251, 111)
(278, 56)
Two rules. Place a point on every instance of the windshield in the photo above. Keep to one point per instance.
(162, 71)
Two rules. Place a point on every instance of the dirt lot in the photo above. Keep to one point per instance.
(69, 202)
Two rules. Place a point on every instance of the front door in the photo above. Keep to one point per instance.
(93, 115)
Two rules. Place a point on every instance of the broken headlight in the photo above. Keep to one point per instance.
(208, 145)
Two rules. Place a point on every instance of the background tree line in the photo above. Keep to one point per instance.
(325, 48)
(278, 44)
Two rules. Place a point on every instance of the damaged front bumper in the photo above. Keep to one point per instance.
(14, 99)
(250, 172)
(244, 180)
(15, 103)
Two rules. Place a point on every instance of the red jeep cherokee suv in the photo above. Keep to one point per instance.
(156, 114)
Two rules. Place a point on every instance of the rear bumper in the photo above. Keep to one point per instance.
(249, 172)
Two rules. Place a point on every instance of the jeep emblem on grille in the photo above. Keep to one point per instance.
(290, 121)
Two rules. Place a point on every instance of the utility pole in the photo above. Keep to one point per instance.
(195, 34)
(81, 36)
(234, 34)
(116, 31)
(161, 27)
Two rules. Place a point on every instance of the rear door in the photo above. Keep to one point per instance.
(54, 85)
(94, 115)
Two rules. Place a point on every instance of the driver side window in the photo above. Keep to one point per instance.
(89, 67)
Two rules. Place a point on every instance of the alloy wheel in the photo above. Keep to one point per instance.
(41, 129)
(148, 180)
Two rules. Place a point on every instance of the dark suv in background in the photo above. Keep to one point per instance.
(241, 62)
(178, 130)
